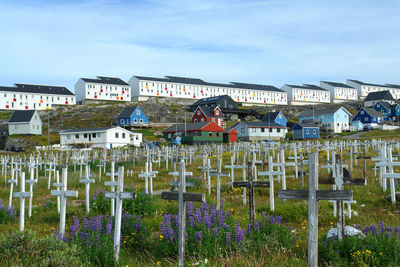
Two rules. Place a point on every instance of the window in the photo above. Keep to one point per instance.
(366, 118)
(198, 112)
(85, 135)
(337, 124)
(270, 130)
(307, 132)
(77, 136)
(262, 130)
(116, 135)
(217, 112)
(195, 120)
(68, 136)
(122, 121)
(217, 134)
(123, 135)
(141, 120)
(362, 112)
(210, 134)
(213, 119)
(99, 135)
(242, 130)
(278, 130)
(314, 131)
(94, 135)
(137, 112)
(135, 120)
(254, 130)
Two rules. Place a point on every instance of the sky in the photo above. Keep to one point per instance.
(271, 42)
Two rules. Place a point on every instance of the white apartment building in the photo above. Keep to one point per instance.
(365, 88)
(37, 97)
(340, 92)
(191, 88)
(106, 137)
(102, 88)
(306, 94)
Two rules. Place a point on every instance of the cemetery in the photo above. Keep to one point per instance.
(310, 203)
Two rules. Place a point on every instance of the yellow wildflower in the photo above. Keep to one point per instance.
(161, 236)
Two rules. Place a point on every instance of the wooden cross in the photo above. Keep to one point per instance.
(87, 181)
(22, 195)
(63, 193)
(31, 181)
(233, 167)
(313, 195)
(119, 196)
(182, 198)
(391, 175)
(270, 173)
(295, 157)
(219, 174)
(52, 168)
(206, 170)
(146, 175)
(12, 181)
(112, 183)
(251, 184)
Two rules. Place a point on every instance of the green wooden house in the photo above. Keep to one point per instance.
(196, 133)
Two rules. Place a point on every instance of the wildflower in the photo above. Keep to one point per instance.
(158, 263)
(227, 238)
(161, 237)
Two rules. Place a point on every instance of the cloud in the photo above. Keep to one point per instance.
(270, 42)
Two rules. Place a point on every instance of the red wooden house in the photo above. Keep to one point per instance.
(205, 113)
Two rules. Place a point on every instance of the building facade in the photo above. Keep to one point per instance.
(305, 131)
(260, 130)
(275, 116)
(374, 97)
(340, 92)
(365, 88)
(133, 117)
(306, 94)
(334, 120)
(102, 89)
(368, 116)
(35, 97)
(205, 113)
(25, 122)
(192, 88)
(106, 137)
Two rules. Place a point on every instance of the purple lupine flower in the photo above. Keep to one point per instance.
(191, 221)
(366, 230)
(264, 216)
(249, 228)
(220, 217)
(197, 216)
(213, 214)
(207, 220)
(189, 206)
(74, 228)
(203, 207)
(388, 235)
(227, 239)
(388, 229)
(198, 236)
(215, 231)
(374, 229)
(358, 226)
(396, 231)
(86, 223)
(109, 226)
(381, 227)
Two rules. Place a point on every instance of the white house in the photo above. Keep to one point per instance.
(102, 88)
(365, 88)
(336, 119)
(306, 94)
(25, 122)
(192, 88)
(340, 92)
(37, 97)
(106, 137)
(259, 130)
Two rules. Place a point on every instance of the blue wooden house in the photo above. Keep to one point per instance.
(276, 117)
(368, 116)
(305, 131)
(395, 108)
(384, 108)
(133, 117)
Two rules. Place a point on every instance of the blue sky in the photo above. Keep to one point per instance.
(268, 42)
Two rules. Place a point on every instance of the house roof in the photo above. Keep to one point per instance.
(270, 116)
(106, 80)
(196, 81)
(392, 85)
(307, 86)
(372, 112)
(260, 124)
(208, 111)
(37, 89)
(99, 129)
(21, 116)
(210, 100)
(371, 84)
(380, 95)
(192, 126)
(324, 111)
(393, 106)
(335, 84)
(308, 125)
(127, 112)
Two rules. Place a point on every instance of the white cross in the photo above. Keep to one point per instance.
(31, 182)
(391, 175)
(22, 195)
(112, 183)
(233, 167)
(12, 181)
(119, 196)
(206, 169)
(63, 193)
(87, 181)
(219, 174)
(148, 174)
(270, 173)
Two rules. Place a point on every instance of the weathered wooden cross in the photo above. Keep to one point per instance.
(313, 195)
(270, 173)
(219, 174)
(63, 193)
(251, 185)
(182, 198)
(119, 196)
(87, 181)
(22, 195)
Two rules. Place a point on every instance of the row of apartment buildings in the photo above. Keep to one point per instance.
(140, 88)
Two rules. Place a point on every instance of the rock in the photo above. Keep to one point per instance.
(397, 194)
(355, 213)
(348, 231)
(362, 205)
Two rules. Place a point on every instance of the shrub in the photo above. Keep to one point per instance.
(25, 249)
(6, 214)
(141, 205)
(380, 247)
(99, 203)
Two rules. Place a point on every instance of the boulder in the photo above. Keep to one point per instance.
(348, 231)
